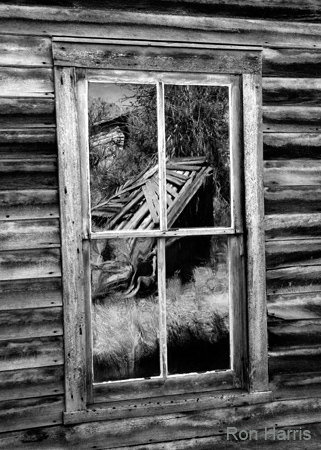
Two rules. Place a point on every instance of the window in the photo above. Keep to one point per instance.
(161, 206)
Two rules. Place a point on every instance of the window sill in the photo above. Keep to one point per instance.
(167, 405)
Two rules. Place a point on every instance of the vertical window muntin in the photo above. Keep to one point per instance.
(163, 233)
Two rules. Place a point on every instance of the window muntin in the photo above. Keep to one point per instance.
(149, 344)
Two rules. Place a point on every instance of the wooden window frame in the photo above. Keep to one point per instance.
(75, 63)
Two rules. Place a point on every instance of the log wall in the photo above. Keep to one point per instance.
(31, 332)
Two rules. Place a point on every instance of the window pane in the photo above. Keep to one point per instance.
(125, 309)
(123, 156)
(197, 304)
(198, 156)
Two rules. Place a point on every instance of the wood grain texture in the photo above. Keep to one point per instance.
(293, 280)
(31, 293)
(292, 226)
(30, 413)
(145, 25)
(294, 361)
(292, 145)
(71, 244)
(291, 91)
(21, 264)
(18, 50)
(293, 253)
(179, 59)
(28, 174)
(31, 323)
(28, 143)
(295, 172)
(29, 383)
(15, 235)
(30, 353)
(294, 334)
(32, 82)
(294, 306)
(254, 217)
(292, 200)
(294, 62)
(29, 204)
(288, 119)
(297, 385)
(27, 112)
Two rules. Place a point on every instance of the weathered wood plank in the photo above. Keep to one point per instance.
(145, 25)
(31, 293)
(30, 413)
(295, 306)
(292, 200)
(31, 323)
(28, 143)
(32, 82)
(71, 235)
(28, 174)
(292, 145)
(299, 361)
(29, 353)
(28, 383)
(21, 50)
(27, 112)
(293, 280)
(291, 119)
(292, 226)
(294, 172)
(21, 264)
(29, 204)
(254, 218)
(15, 235)
(302, 385)
(159, 58)
(294, 62)
(291, 91)
(292, 253)
(294, 334)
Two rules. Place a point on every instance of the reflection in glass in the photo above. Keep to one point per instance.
(198, 156)
(197, 304)
(125, 311)
(123, 156)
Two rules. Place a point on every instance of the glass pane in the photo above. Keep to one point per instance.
(125, 309)
(198, 156)
(123, 156)
(197, 304)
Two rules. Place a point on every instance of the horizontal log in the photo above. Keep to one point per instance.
(30, 353)
(291, 119)
(30, 323)
(29, 204)
(296, 172)
(291, 91)
(295, 306)
(31, 413)
(25, 50)
(15, 235)
(294, 63)
(32, 82)
(31, 293)
(297, 385)
(28, 143)
(25, 136)
(28, 174)
(109, 56)
(144, 25)
(292, 226)
(21, 264)
(292, 253)
(292, 145)
(28, 383)
(284, 335)
(27, 112)
(293, 280)
(292, 200)
(294, 362)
